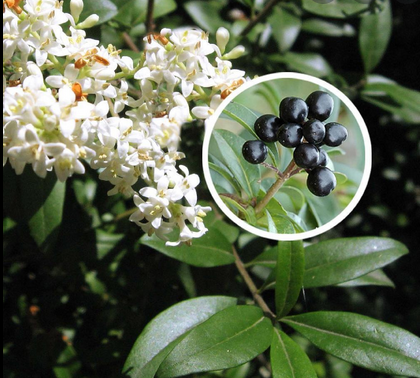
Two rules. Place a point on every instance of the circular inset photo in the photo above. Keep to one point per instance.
(287, 156)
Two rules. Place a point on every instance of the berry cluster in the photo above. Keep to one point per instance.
(300, 126)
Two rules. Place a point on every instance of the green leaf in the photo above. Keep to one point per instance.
(334, 8)
(374, 35)
(340, 177)
(166, 330)
(286, 28)
(363, 341)
(242, 212)
(42, 201)
(340, 260)
(328, 28)
(396, 99)
(375, 278)
(268, 258)
(309, 63)
(289, 275)
(106, 242)
(247, 117)
(132, 13)
(226, 175)
(106, 10)
(288, 360)
(271, 225)
(206, 14)
(230, 338)
(247, 175)
(212, 249)
(243, 115)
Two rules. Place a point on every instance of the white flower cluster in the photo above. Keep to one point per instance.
(67, 99)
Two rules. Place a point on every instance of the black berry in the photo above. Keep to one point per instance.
(323, 158)
(321, 181)
(335, 134)
(267, 127)
(254, 151)
(314, 131)
(306, 155)
(290, 135)
(293, 110)
(320, 105)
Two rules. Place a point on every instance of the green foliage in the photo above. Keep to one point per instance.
(81, 284)
(288, 360)
(374, 35)
(361, 340)
(289, 275)
(167, 330)
(229, 338)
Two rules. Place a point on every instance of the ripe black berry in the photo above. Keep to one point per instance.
(306, 155)
(335, 134)
(290, 135)
(323, 158)
(267, 127)
(320, 105)
(254, 151)
(293, 110)
(321, 181)
(314, 131)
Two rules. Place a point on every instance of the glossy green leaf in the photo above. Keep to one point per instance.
(334, 8)
(375, 278)
(289, 275)
(166, 330)
(340, 260)
(212, 249)
(229, 338)
(324, 209)
(226, 175)
(309, 63)
(247, 175)
(42, 202)
(243, 115)
(206, 14)
(287, 358)
(271, 225)
(106, 11)
(396, 99)
(328, 28)
(286, 28)
(374, 35)
(132, 13)
(363, 341)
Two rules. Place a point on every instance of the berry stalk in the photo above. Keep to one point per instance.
(291, 170)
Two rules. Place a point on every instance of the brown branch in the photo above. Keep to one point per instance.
(288, 172)
(251, 285)
(264, 12)
(130, 43)
(150, 25)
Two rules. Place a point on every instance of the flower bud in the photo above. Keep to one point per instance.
(91, 21)
(76, 7)
(222, 38)
(235, 53)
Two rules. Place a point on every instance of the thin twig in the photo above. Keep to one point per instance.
(130, 43)
(251, 285)
(288, 172)
(125, 214)
(150, 25)
(264, 12)
(273, 168)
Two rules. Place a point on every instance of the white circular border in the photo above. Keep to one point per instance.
(210, 123)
